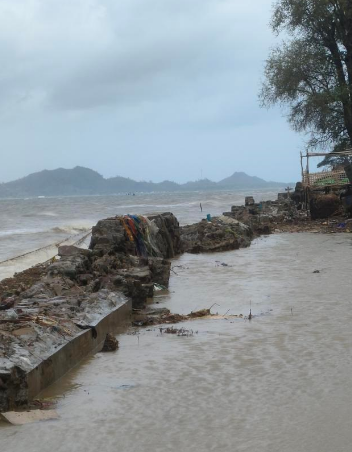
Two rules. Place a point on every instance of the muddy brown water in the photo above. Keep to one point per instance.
(278, 383)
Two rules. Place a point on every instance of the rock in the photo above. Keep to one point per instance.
(167, 234)
(110, 234)
(37, 289)
(57, 288)
(70, 266)
(162, 239)
(160, 271)
(71, 250)
(220, 234)
(8, 303)
(111, 343)
(139, 273)
(119, 280)
(84, 279)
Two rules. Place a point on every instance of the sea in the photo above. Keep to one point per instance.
(280, 382)
(31, 229)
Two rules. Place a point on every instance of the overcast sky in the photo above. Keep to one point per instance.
(147, 89)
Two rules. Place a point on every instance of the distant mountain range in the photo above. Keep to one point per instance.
(84, 181)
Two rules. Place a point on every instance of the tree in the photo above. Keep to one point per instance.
(334, 160)
(312, 72)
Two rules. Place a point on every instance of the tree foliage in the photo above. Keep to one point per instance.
(311, 72)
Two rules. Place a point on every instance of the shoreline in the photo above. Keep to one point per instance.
(113, 267)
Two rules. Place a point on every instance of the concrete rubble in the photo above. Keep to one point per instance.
(45, 308)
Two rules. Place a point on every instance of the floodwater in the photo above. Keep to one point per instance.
(278, 383)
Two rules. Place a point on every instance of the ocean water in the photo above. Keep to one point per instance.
(30, 224)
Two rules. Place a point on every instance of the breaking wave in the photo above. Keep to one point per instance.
(22, 231)
(70, 229)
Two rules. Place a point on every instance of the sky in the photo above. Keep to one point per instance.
(146, 89)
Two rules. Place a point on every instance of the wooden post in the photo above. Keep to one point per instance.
(308, 169)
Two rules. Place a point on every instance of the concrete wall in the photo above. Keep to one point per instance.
(72, 353)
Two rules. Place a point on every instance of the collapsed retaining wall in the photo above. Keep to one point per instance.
(70, 355)
(54, 316)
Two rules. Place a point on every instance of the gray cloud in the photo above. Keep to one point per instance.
(94, 81)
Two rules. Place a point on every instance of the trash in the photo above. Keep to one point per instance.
(138, 230)
(208, 217)
(159, 287)
(316, 271)
(28, 417)
(177, 331)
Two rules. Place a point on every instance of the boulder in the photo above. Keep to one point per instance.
(153, 236)
(70, 266)
(219, 234)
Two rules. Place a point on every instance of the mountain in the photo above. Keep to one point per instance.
(76, 181)
(242, 180)
(84, 181)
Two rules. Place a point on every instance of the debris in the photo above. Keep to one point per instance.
(111, 343)
(28, 417)
(177, 331)
(43, 404)
(159, 287)
(223, 264)
(201, 313)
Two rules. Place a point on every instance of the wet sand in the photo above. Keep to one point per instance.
(278, 383)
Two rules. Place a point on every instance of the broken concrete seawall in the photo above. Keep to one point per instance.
(71, 354)
(55, 314)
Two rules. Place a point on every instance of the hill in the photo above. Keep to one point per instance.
(84, 181)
